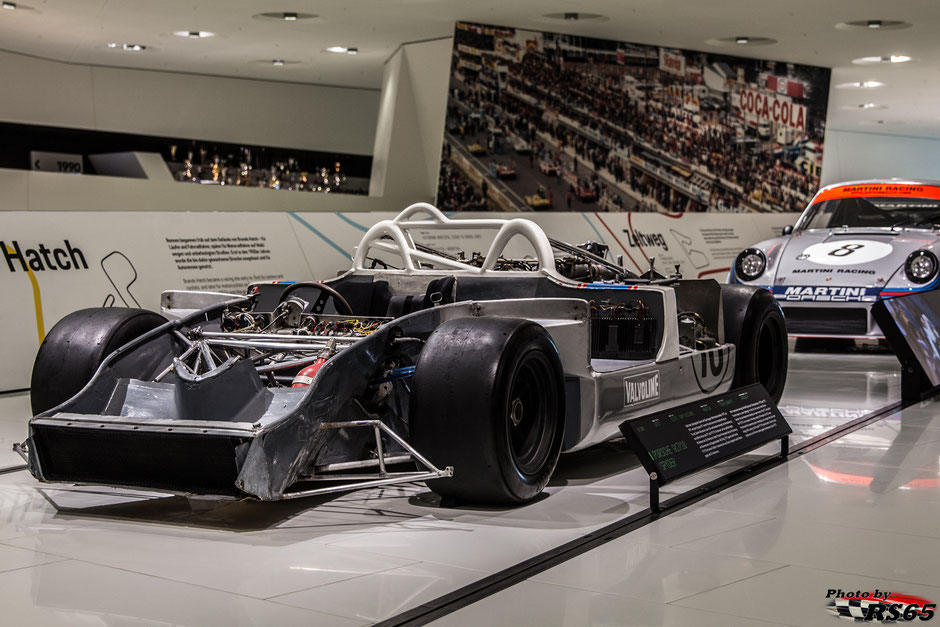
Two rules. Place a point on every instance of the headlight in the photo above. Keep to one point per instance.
(750, 264)
(921, 266)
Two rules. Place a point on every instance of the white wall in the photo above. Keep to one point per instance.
(851, 155)
(309, 117)
(407, 152)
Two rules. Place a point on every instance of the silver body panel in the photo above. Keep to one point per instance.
(813, 278)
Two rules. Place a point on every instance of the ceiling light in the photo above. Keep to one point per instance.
(128, 47)
(572, 16)
(741, 40)
(284, 16)
(865, 105)
(860, 85)
(873, 25)
(894, 58)
(338, 49)
(352, 51)
(193, 34)
(9, 5)
(277, 62)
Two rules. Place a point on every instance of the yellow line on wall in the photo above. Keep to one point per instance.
(37, 301)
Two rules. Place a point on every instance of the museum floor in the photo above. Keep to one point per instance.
(858, 513)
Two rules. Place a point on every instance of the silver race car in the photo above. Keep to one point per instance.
(469, 371)
(856, 243)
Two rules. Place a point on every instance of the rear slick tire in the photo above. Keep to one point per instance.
(74, 348)
(488, 399)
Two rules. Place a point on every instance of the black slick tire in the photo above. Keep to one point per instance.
(754, 323)
(488, 399)
(74, 348)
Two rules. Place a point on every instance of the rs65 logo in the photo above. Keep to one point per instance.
(878, 606)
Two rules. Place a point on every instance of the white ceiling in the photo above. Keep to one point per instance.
(78, 30)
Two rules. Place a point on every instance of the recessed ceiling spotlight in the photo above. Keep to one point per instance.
(864, 106)
(128, 47)
(873, 25)
(860, 85)
(572, 16)
(276, 62)
(741, 40)
(894, 58)
(19, 8)
(881, 122)
(285, 16)
(193, 34)
(338, 49)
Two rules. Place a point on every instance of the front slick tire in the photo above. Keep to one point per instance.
(754, 324)
(488, 399)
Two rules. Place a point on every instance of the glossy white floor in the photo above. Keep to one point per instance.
(859, 512)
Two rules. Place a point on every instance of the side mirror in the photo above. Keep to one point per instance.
(788, 229)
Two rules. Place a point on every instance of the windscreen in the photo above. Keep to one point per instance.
(873, 212)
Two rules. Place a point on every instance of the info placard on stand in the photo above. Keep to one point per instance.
(684, 440)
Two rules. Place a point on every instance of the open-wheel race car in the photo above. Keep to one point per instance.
(470, 372)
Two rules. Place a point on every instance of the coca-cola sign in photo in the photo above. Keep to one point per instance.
(548, 121)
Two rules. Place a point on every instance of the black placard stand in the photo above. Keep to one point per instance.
(686, 440)
(903, 322)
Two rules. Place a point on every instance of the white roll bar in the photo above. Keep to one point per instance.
(401, 243)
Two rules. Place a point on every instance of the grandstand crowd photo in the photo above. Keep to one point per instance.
(545, 121)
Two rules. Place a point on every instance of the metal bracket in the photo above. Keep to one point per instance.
(22, 449)
(368, 480)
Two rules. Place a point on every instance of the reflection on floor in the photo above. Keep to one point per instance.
(766, 550)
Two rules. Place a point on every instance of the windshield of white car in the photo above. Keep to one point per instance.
(872, 212)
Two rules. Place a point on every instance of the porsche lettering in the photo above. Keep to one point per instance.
(831, 294)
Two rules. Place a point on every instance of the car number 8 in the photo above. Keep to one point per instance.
(846, 250)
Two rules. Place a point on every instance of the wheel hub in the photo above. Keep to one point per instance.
(515, 413)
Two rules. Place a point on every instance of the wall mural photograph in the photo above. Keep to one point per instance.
(546, 121)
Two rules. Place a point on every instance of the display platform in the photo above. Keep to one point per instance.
(372, 554)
